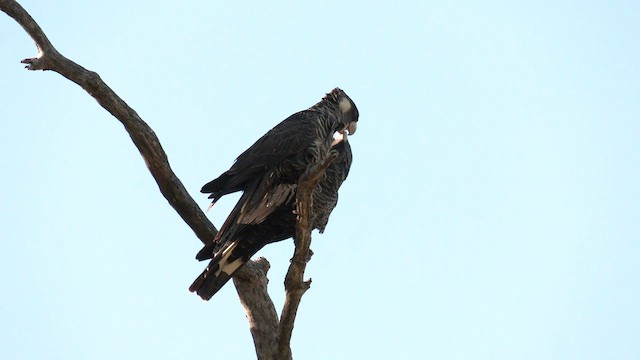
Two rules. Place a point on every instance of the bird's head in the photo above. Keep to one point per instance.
(348, 112)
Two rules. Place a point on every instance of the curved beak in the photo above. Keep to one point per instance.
(351, 127)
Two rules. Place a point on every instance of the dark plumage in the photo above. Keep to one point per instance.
(267, 173)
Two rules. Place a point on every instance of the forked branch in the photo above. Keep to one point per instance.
(271, 337)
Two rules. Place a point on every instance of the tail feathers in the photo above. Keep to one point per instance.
(215, 185)
(218, 273)
(218, 187)
(206, 252)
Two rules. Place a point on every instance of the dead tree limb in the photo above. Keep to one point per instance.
(251, 283)
(295, 285)
(142, 135)
(271, 337)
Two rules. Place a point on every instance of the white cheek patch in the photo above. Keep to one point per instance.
(344, 105)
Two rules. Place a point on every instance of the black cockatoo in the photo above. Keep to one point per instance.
(267, 173)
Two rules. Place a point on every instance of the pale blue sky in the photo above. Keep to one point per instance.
(491, 211)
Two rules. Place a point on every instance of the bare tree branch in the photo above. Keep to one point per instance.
(251, 283)
(142, 135)
(294, 283)
(271, 337)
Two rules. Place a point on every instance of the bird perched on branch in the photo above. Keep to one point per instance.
(267, 173)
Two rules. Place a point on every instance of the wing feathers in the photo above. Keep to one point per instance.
(267, 173)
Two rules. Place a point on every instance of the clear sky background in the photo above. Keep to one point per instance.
(491, 211)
